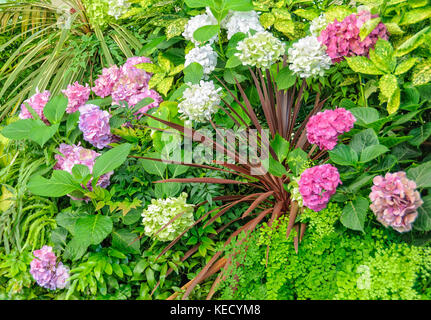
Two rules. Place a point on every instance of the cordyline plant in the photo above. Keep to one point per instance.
(268, 198)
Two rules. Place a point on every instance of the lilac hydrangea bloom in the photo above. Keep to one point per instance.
(317, 185)
(94, 124)
(146, 93)
(77, 96)
(342, 38)
(395, 201)
(45, 270)
(38, 102)
(324, 128)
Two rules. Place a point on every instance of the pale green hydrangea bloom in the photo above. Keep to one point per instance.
(161, 211)
(260, 50)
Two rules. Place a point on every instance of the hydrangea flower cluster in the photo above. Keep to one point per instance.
(395, 200)
(38, 102)
(342, 38)
(161, 211)
(205, 56)
(127, 83)
(199, 101)
(260, 50)
(317, 185)
(324, 128)
(75, 154)
(94, 124)
(77, 96)
(242, 21)
(318, 24)
(104, 84)
(197, 22)
(308, 58)
(46, 271)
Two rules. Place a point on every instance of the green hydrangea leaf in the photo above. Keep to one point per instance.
(354, 214)
(420, 134)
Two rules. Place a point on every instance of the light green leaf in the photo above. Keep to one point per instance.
(405, 66)
(393, 28)
(296, 161)
(421, 175)
(20, 129)
(111, 159)
(416, 15)
(363, 65)
(232, 62)
(193, 73)
(60, 184)
(280, 146)
(93, 229)
(411, 43)
(388, 85)
(365, 115)
(285, 78)
(205, 33)
(394, 102)
(354, 214)
(368, 26)
(343, 155)
(372, 152)
(55, 108)
(364, 139)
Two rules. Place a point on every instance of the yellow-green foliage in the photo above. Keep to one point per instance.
(332, 263)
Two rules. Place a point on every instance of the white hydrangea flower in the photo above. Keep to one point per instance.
(308, 58)
(161, 211)
(197, 22)
(118, 7)
(205, 56)
(199, 101)
(242, 21)
(318, 24)
(260, 50)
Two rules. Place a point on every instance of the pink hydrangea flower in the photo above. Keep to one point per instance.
(342, 38)
(45, 270)
(395, 201)
(38, 102)
(104, 84)
(131, 80)
(75, 154)
(94, 124)
(77, 96)
(317, 185)
(324, 128)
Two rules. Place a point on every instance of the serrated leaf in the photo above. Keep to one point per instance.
(372, 152)
(420, 135)
(93, 229)
(421, 175)
(343, 155)
(423, 221)
(365, 115)
(364, 139)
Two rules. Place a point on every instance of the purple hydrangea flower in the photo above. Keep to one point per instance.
(94, 124)
(45, 270)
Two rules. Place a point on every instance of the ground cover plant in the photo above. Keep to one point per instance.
(228, 149)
